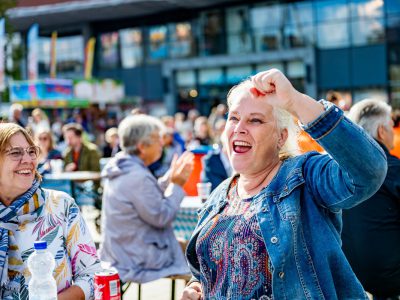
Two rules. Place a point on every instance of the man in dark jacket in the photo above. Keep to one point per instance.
(371, 230)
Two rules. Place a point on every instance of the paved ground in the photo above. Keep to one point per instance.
(157, 290)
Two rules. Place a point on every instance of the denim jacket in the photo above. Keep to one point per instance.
(299, 212)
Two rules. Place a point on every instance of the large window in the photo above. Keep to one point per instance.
(109, 54)
(186, 89)
(333, 35)
(333, 24)
(266, 24)
(186, 78)
(235, 75)
(365, 32)
(211, 76)
(69, 55)
(330, 11)
(299, 25)
(181, 40)
(271, 65)
(394, 75)
(213, 36)
(393, 25)
(158, 42)
(237, 28)
(367, 25)
(44, 55)
(296, 69)
(212, 88)
(296, 72)
(131, 47)
(367, 8)
(342, 23)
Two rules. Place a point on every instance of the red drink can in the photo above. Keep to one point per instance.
(107, 285)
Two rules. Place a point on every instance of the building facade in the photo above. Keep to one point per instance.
(184, 54)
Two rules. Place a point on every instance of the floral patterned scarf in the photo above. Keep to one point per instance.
(23, 210)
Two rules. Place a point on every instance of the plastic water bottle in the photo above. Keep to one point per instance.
(41, 263)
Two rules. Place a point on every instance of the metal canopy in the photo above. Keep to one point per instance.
(73, 12)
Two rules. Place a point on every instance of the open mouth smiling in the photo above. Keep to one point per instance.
(24, 172)
(241, 146)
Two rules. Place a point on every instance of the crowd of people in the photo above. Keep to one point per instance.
(284, 168)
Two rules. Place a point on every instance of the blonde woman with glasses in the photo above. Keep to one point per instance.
(29, 213)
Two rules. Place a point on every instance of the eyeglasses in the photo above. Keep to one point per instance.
(17, 153)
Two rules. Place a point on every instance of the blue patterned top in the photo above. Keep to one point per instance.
(234, 262)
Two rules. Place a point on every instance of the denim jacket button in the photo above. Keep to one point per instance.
(281, 275)
(274, 240)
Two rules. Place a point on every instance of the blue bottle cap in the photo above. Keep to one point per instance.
(201, 149)
(40, 245)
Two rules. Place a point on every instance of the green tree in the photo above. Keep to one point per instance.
(17, 50)
(5, 5)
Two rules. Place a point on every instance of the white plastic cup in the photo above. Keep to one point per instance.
(56, 166)
(203, 190)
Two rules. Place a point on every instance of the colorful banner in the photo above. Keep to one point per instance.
(48, 89)
(33, 49)
(53, 55)
(89, 56)
(99, 90)
(56, 92)
(2, 56)
(48, 93)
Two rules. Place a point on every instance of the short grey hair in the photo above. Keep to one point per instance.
(284, 120)
(370, 114)
(137, 129)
